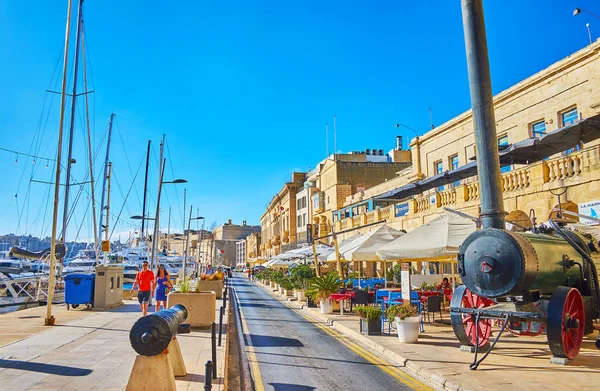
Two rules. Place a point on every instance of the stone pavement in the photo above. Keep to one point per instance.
(88, 350)
(516, 363)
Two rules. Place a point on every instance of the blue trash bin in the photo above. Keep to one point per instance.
(79, 289)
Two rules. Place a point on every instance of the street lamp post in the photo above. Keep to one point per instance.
(157, 217)
(578, 11)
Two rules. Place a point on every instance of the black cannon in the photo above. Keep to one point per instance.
(151, 335)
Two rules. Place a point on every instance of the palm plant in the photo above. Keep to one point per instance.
(320, 288)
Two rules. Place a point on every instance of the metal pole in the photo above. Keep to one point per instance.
(213, 337)
(107, 212)
(145, 189)
(488, 163)
(169, 232)
(49, 321)
(207, 376)
(72, 125)
(221, 311)
(110, 125)
(187, 239)
(155, 235)
(90, 152)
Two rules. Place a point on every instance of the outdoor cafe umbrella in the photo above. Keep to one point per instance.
(365, 247)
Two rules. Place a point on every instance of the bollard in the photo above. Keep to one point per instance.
(221, 312)
(213, 337)
(207, 377)
(225, 298)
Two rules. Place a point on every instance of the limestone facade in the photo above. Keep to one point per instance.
(565, 92)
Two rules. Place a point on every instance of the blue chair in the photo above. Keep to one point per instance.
(380, 296)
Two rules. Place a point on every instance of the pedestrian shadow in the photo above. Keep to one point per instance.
(290, 387)
(51, 369)
(268, 341)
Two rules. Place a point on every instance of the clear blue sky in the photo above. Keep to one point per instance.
(243, 89)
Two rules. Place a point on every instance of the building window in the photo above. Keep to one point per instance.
(304, 219)
(299, 221)
(570, 117)
(538, 129)
(503, 142)
(438, 168)
(453, 162)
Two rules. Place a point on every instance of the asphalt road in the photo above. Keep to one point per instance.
(294, 353)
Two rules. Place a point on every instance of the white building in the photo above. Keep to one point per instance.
(240, 253)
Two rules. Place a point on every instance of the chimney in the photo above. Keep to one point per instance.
(229, 222)
(381, 152)
(398, 143)
(244, 222)
(368, 152)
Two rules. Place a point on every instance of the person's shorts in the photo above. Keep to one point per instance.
(144, 296)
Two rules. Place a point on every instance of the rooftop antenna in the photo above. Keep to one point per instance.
(334, 135)
(327, 138)
(431, 118)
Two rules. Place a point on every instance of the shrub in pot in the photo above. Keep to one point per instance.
(287, 286)
(371, 323)
(320, 288)
(300, 276)
(407, 321)
(361, 311)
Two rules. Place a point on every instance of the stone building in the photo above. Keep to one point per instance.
(278, 223)
(343, 175)
(240, 253)
(253, 245)
(559, 95)
(223, 251)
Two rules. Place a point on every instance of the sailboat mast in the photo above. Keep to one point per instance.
(145, 189)
(110, 125)
(90, 152)
(107, 211)
(49, 321)
(72, 125)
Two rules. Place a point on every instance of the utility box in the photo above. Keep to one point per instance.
(108, 291)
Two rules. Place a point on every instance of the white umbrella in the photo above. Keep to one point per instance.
(439, 238)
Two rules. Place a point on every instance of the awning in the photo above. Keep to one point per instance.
(523, 152)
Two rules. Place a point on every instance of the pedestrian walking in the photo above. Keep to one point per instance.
(209, 270)
(145, 280)
(252, 275)
(249, 271)
(162, 287)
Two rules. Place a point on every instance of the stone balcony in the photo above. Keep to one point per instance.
(524, 188)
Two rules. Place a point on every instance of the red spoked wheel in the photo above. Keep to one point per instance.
(566, 322)
(467, 329)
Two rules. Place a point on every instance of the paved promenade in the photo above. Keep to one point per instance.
(516, 363)
(87, 350)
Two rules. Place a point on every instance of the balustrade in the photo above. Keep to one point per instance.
(448, 197)
(564, 167)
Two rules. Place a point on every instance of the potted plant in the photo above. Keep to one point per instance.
(201, 304)
(287, 286)
(361, 311)
(370, 324)
(300, 276)
(407, 321)
(320, 288)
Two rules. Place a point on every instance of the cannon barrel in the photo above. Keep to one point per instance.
(151, 335)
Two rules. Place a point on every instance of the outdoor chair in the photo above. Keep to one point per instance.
(361, 298)
(380, 296)
(433, 305)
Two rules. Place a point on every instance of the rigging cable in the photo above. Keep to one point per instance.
(127, 196)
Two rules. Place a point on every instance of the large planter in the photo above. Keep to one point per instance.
(211, 285)
(272, 284)
(300, 295)
(370, 327)
(201, 306)
(326, 306)
(408, 329)
(129, 295)
(281, 290)
(287, 293)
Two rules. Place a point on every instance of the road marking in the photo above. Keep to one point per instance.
(387, 367)
(397, 373)
(252, 359)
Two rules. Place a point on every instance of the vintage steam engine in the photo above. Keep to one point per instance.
(549, 279)
(546, 277)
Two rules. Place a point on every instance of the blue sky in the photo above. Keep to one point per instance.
(243, 90)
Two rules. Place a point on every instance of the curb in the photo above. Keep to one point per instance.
(433, 378)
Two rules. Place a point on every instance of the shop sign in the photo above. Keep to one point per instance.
(401, 209)
(592, 209)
